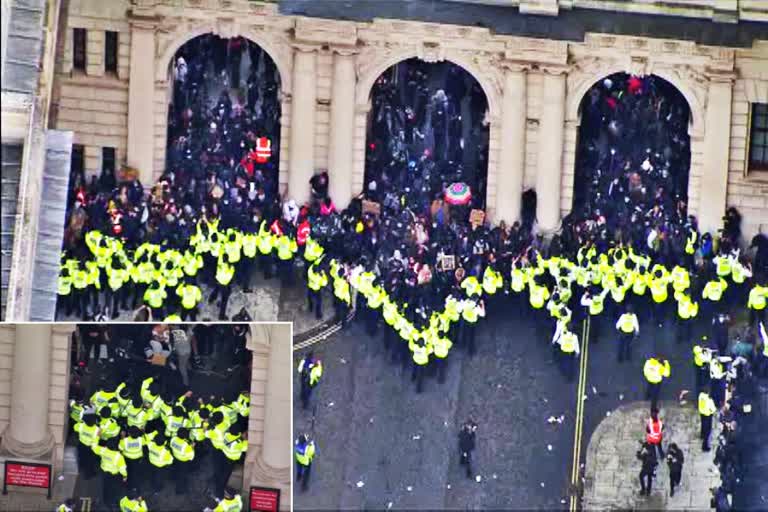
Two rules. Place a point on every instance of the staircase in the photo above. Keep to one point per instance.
(10, 155)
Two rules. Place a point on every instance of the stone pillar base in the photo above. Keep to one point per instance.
(259, 473)
(41, 449)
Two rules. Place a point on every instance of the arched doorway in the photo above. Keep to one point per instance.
(224, 94)
(427, 127)
(633, 153)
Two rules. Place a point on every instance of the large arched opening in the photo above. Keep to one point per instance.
(427, 128)
(224, 100)
(633, 155)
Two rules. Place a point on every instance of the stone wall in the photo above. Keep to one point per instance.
(96, 107)
(91, 104)
(58, 390)
(7, 333)
(748, 191)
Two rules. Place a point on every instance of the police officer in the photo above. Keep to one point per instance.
(232, 502)
(88, 435)
(720, 332)
(467, 435)
(707, 408)
(317, 279)
(133, 502)
(304, 452)
(159, 457)
(115, 471)
(67, 506)
(132, 447)
(701, 358)
(310, 372)
(471, 310)
(233, 447)
(629, 329)
(420, 351)
(341, 293)
(655, 370)
(717, 381)
(190, 296)
(224, 273)
(183, 451)
(569, 350)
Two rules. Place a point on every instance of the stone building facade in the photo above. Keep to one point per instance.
(534, 86)
(34, 410)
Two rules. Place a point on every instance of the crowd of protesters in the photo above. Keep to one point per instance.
(139, 425)
(428, 128)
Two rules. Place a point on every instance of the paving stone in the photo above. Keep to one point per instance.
(612, 467)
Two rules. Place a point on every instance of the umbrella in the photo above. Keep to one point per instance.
(458, 193)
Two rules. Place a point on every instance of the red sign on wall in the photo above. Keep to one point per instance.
(264, 499)
(25, 474)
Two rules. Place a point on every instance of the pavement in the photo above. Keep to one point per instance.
(612, 469)
(383, 446)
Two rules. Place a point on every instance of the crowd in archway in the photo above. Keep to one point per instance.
(427, 129)
(633, 160)
(222, 164)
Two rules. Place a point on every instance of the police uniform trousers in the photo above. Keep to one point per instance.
(684, 327)
(702, 378)
(625, 346)
(595, 324)
(441, 365)
(652, 393)
(302, 474)
(567, 363)
(181, 472)
(315, 301)
(306, 391)
(244, 271)
(158, 476)
(88, 460)
(371, 321)
(224, 470)
(706, 430)
(341, 311)
(418, 375)
(286, 271)
(136, 472)
(113, 488)
(717, 391)
(189, 313)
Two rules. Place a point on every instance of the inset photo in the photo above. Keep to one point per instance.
(139, 417)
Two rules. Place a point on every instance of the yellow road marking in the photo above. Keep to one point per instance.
(579, 421)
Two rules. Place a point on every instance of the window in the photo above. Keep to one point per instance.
(107, 160)
(78, 50)
(78, 160)
(110, 52)
(758, 138)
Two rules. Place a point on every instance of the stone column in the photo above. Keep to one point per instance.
(141, 102)
(271, 466)
(512, 154)
(27, 434)
(302, 148)
(342, 127)
(550, 150)
(276, 450)
(717, 140)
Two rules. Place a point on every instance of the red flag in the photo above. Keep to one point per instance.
(303, 232)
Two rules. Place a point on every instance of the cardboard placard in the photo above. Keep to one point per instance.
(127, 173)
(476, 217)
(371, 207)
(27, 474)
(264, 499)
(159, 359)
(447, 262)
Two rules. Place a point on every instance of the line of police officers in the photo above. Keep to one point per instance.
(166, 279)
(140, 438)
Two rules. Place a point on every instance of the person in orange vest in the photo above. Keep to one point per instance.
(654, 433)
(263, 150)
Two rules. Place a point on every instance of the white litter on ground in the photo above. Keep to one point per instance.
(330, 404)
(389, 505)
(542, 484)
(360, 484)
(549, 447)
(478, 479)
(621, 396)
(409, 488)
(494, 476)
(416, 437)
(594, 390)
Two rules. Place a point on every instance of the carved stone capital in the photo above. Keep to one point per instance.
(305, 47)
(516, 66)
(345, 51)
(554, 69)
